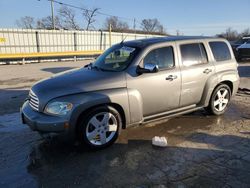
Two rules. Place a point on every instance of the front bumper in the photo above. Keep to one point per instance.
(41, 122)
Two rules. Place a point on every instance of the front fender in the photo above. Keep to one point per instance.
(84, 101)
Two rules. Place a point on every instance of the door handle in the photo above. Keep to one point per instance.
(171, 77)
(207, 71)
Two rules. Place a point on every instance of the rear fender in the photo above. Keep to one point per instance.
(214, 81)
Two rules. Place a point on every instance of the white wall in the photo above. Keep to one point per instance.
(28, 41)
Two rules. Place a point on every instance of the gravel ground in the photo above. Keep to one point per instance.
(203, 150)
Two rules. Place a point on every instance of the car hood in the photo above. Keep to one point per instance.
(77, 81)
(246, 45)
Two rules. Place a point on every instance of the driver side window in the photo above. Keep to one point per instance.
(163, 57)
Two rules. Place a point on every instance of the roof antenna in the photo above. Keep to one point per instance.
(123, 40)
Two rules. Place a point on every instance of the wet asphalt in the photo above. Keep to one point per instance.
(202, 151)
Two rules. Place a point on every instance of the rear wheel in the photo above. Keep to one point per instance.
(100, 128)
(219, 100)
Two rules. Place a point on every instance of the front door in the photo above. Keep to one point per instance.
(160, 91)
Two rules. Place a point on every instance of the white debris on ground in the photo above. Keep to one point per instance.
(11, 122)
(159, 141)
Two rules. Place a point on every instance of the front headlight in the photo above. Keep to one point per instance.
(58, 108)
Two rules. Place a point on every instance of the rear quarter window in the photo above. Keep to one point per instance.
(220, 51)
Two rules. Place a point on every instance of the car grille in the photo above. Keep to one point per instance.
(34, 101)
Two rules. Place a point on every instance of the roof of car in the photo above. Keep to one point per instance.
(149, 41)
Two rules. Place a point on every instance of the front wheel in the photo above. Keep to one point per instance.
(100, 127)
(219, 100)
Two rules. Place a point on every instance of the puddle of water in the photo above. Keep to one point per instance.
(133, 151)
(179, 128)
(11, 122)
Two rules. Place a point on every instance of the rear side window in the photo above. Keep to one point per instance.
(220, 51)
(163, 57)
(193, 54)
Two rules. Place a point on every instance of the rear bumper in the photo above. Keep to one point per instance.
(41, 122)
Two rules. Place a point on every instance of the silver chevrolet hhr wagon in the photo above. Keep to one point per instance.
(133, 83)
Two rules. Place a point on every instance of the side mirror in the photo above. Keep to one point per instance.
(148, 68)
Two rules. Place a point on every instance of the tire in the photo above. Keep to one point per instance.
(100, 127)
(219, 100)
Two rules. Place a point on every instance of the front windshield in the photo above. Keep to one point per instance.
(116, 58)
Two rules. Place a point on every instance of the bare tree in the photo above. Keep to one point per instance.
(246, 32)
(152, 25)
(161, 29)
(117, 25)
(26, 22)
(46, 23)
(67, 17)
(230, 34)
(89, 16)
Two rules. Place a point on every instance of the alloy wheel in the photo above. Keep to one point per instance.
(221, 99)
(101, 128)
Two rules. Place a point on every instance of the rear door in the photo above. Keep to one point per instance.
(196, 68)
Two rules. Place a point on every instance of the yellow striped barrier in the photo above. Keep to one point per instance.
(2, 40)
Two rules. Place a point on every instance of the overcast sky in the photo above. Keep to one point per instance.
(190, 17)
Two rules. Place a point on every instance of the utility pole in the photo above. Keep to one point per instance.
(110, 30)
(134, 26)
(52, 13)
(177, 32)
